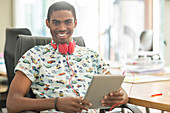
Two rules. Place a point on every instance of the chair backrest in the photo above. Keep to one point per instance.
(79, 41)
(9, 50)
(26, 42)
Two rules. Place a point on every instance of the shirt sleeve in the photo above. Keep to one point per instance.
(29, 64)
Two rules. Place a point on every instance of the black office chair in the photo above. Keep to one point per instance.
(25, 42)
(9, 49)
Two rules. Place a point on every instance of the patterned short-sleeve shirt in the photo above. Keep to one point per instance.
(50, 73)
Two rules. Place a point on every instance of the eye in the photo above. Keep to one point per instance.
(56, 22)
(68, 22)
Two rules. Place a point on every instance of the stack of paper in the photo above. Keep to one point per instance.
(143, 67)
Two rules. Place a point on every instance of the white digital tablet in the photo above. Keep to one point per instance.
(100, 86)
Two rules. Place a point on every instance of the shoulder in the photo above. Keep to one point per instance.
(39, 49)
(85, 50)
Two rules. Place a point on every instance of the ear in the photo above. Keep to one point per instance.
(47, 23)
(75, 23)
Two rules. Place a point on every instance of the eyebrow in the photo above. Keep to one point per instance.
(68, 20)
(54, 20)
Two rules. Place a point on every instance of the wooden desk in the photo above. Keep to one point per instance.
(3, 87)
(141, 94)
(3, 74)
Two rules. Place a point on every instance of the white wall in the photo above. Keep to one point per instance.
(167, 32)
(5, 20)
(133, 19)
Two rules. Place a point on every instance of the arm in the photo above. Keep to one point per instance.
(20, 86)
(17, 102)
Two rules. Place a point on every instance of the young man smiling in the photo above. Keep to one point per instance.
(57, 72)
(61, 24)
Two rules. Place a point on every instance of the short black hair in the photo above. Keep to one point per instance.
(61, 6)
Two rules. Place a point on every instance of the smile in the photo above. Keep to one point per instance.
(62, 34)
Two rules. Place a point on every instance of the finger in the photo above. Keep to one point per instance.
(116, 94)
(114, 98)
(77, 109)
(111, 100)
(85, 102)
(111, 103)
(81, 104)
(120, 97)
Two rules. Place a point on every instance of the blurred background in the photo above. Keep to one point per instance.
(111, 27)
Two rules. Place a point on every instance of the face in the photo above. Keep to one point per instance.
(61, 26)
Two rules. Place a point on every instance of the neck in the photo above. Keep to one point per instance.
(63, 41)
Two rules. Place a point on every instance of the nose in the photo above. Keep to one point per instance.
(62, 27)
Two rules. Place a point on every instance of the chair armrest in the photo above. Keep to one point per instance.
(132, 108)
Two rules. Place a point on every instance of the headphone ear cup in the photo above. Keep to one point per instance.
(54, 46)
(71, 47)
(62, 48)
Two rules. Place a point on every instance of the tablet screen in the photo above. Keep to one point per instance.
(102, 85)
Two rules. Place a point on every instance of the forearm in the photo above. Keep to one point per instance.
(17, 104)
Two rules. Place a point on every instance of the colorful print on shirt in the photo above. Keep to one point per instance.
(50, 73)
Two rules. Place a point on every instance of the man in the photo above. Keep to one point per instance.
(58, 73)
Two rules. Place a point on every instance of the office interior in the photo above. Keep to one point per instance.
(114, 25)
(111, 27)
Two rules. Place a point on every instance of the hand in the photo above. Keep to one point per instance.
(112, 98)
(72, 104)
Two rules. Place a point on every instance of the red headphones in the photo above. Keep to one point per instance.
(63, 48)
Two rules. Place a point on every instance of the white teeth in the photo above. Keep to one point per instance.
(61, 34)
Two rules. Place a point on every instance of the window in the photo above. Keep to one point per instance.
(111, 27)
